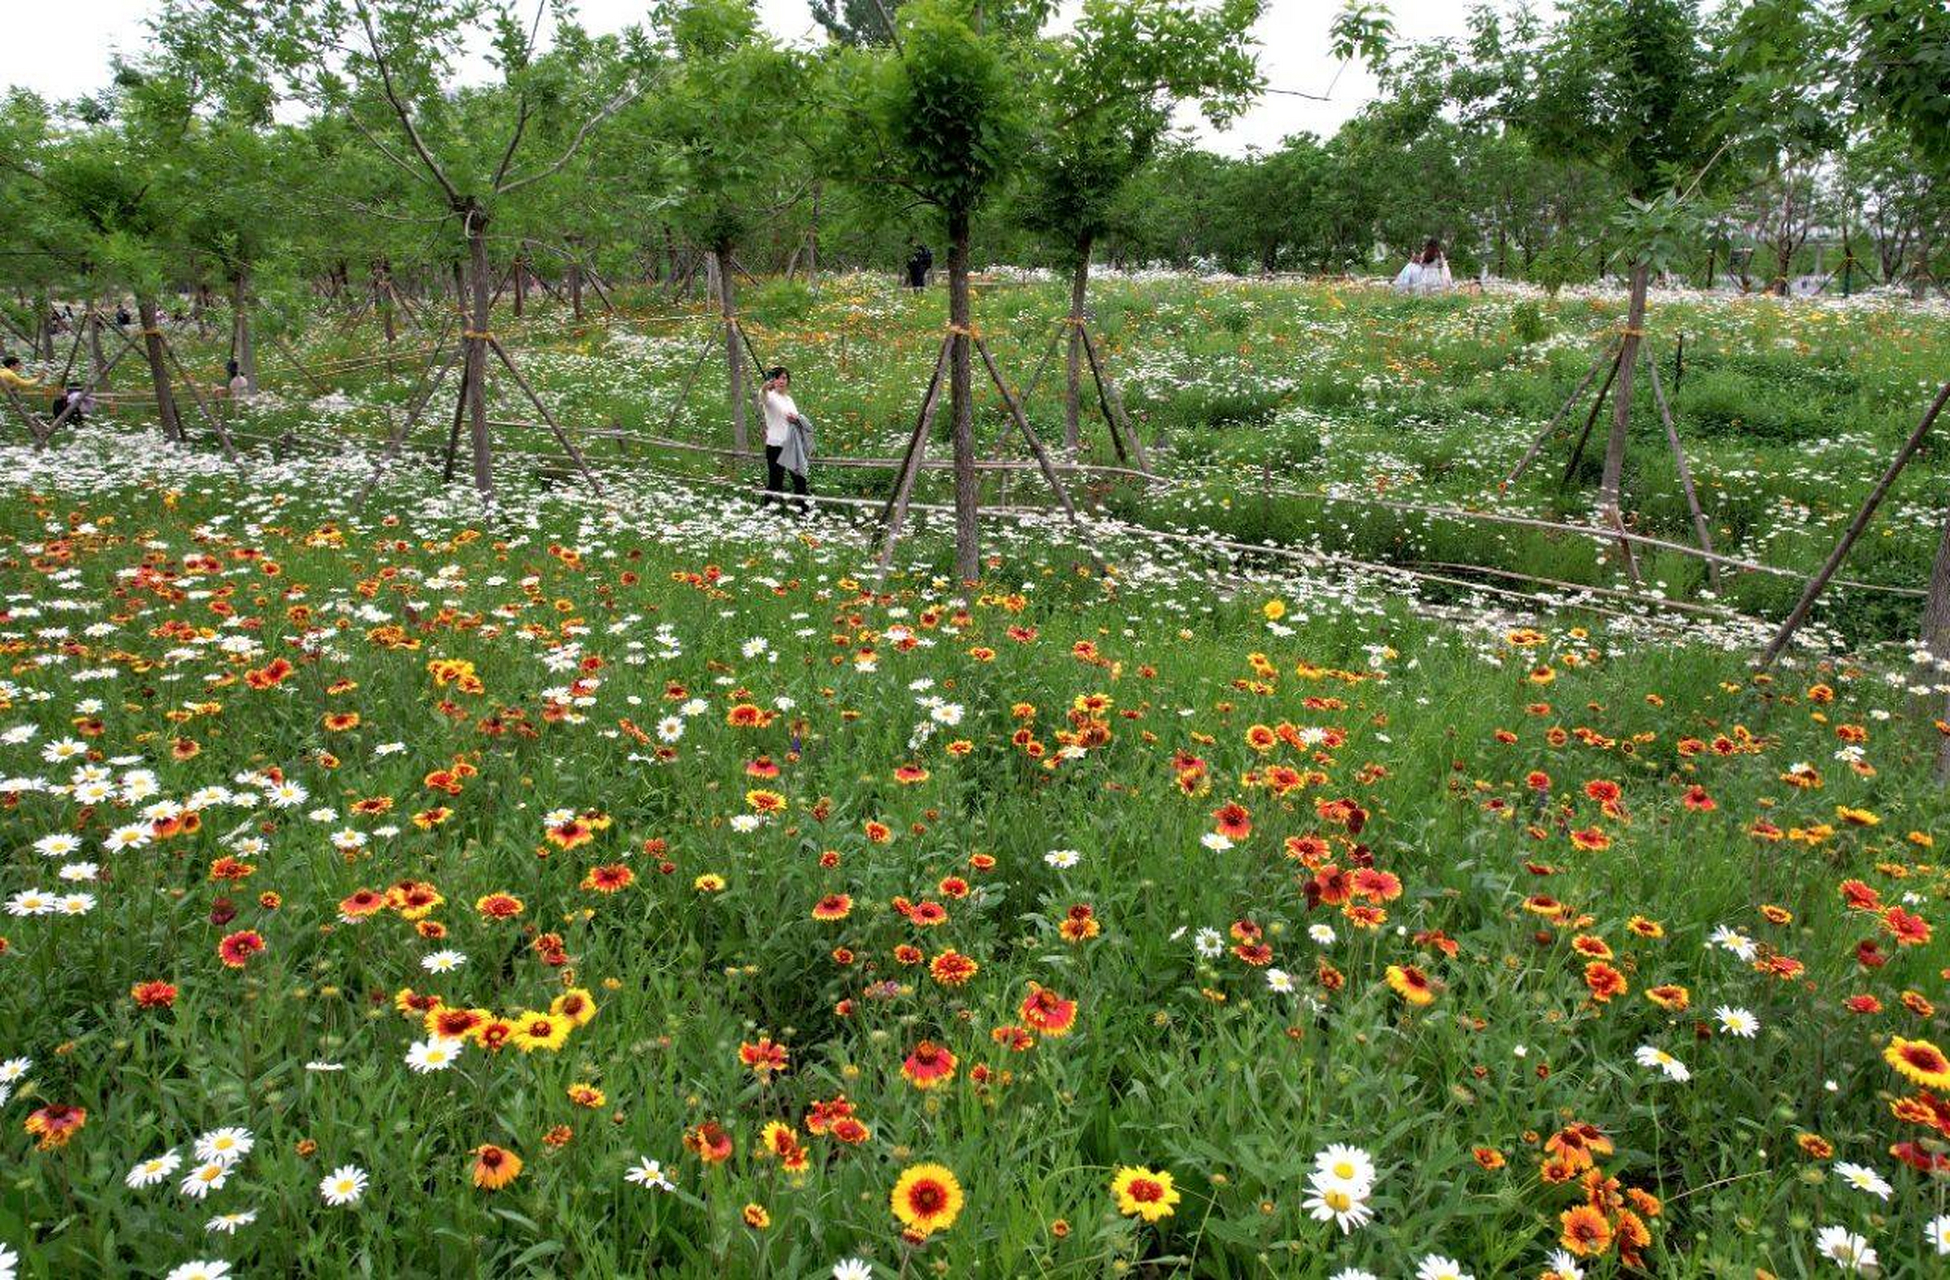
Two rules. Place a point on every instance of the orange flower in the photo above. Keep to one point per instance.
(236, 949)
(495, 1167)
(709, 1142)
(929, 1065)
(1411, 984)
(1586, 1233)
(952, 969)
(55, 1124)
(763, 1058)
(1604, 981)
(1048, 1012)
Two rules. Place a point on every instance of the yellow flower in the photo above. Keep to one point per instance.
(1274, 610)
(1144, 1193)
(927, 1198)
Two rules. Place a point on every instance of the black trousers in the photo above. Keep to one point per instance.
(775, 477)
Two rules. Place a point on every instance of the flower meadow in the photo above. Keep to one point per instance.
(637, 886)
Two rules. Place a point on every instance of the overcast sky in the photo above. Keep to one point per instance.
(62, 50)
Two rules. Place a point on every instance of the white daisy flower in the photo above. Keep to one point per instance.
(1658, 1059)
(205, 1178)
(1436, 1267)
(649, 1173)
(200, 1271)
(1737, 1022)
(228, 1144)
(153, 1170)
(1845, 1249)
(343, 1186)
(1863, 1178)
(436, 1054)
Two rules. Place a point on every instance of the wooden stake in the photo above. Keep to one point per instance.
(1543, 437)
(1816, 584)
(561, 436)
(894, 515)
(1028, 433)
(1685, 472)
(196, 394)
(1590, 420)
(1112, 406)
(684, 392)
(399, 433)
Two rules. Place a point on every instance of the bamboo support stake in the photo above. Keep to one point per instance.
(1821, 579)
(1685, 472)
(1113, 408)
(1028, 433)
(196, 395)
(561, 436)
(894, 515)
(400, 431)
(1590, 420)
(1543, 437)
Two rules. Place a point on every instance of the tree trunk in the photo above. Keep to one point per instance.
(152, 347)
(242, 350)
(1621, 407)
(382, 296)
(521, 285)
(96, 355)
(575, 276)
(474, 379)
(1073, 368)
(968, 549)
(812, 242)
(719, 264)
(44, 326)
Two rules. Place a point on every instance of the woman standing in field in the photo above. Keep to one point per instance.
(788, 438)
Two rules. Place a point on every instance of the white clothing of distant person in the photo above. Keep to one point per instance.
(779, 415)
(1424, 277)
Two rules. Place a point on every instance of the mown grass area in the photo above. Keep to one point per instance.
(1581, 937)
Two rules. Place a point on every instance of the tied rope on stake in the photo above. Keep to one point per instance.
(478, 335)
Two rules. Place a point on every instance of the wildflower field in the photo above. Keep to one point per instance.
(635, 885)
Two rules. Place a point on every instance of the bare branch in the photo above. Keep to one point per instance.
(609, 109)
(406, 117)
(418, 175)
(508, 156)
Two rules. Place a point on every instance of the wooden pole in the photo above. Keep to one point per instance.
(1685, 472)
(1028, 433)
(196, 395)
(399, 433)
(1819, 582)
(1543, 437)
(1113, 407)
(561, 436)
(894, 515)
(1590, 420)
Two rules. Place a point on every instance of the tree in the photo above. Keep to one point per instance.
(729, 120)
(1110, 87)
(1631, 88)
(939, 123)
(857, 22)
(382, 66)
